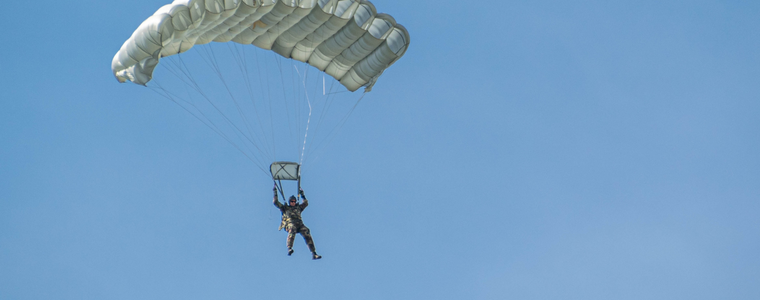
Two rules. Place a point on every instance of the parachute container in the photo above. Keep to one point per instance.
(285, 170)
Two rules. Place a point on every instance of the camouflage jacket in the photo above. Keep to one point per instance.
(291, 214)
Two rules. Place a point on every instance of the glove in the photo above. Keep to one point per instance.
(274, 189)
(300, 191)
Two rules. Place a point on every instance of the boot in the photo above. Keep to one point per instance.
(316, 256)
(290, 251)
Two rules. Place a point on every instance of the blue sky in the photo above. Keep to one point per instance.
(519, 150)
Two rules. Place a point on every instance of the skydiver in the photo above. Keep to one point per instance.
(291, 221)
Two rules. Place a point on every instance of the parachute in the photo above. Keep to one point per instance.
(346, 39)
(343, 39)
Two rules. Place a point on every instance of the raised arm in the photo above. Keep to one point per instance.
(275, 201)
(305, 202)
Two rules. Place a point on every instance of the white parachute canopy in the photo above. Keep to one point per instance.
(346, 39)
(283, 170)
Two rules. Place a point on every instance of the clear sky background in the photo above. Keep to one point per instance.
(519, 150)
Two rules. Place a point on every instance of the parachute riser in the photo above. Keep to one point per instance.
(282, 193)
(278, 184)
(298, 192)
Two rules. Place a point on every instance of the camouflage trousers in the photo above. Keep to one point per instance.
(292, 229)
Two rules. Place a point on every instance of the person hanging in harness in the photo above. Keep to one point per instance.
(291, 221)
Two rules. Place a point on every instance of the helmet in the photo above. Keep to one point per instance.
(292, 198)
